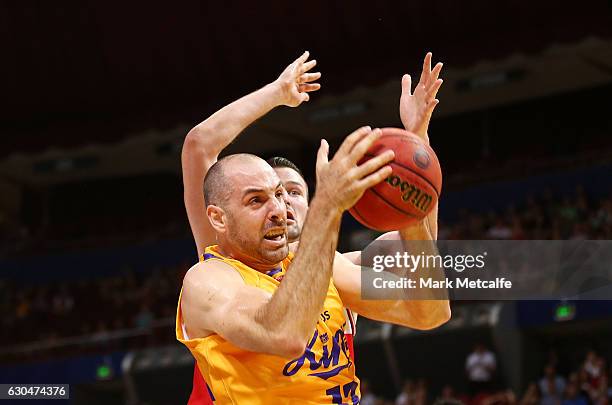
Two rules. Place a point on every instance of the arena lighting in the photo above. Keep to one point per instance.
(168, 148)
(490, 79)
(565, 311)
(337, 111)
(103, 372)
(65, 164)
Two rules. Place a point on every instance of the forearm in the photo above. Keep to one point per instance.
(298, 301)
(430, 307)
(421, 132)
(432, 222)
(432, 217)
(215, 133)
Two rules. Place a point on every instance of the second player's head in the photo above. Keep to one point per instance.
(297, 194)
(245, 203)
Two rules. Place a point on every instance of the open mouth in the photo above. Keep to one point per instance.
(276, 235)
(290, 218)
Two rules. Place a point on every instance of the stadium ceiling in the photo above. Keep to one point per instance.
(77, 73)
(487, 84)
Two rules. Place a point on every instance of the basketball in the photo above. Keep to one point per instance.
(410, 192)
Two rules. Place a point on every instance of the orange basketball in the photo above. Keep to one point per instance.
(412, 189)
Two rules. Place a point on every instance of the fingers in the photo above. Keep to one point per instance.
(435, 72)
(362, 146)
(308, 87)
(433, 90)
(309, 77)
(375, 163)
(427, 62)
(352, 139)
(430, 107)
(322, 155)
(303, 58)
(375, 178)
(407, 85)
(305, 67)
(426, 69)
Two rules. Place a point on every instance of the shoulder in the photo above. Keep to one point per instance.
(210, 275)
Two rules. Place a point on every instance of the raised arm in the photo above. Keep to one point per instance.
(416, 110)
(282, 323)
(205, 141)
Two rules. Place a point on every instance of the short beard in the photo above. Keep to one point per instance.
(293, 232)
(246, 246)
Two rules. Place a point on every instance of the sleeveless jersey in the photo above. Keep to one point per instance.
(323, 374)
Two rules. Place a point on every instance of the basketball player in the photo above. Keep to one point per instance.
(205, 142)
(251, 335)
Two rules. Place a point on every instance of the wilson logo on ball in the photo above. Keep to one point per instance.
(410, 193)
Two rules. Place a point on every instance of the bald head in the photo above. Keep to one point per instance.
(246, 207)
(219, 180)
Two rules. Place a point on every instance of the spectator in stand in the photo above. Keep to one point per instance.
(518, 232)
(601, 395)
(552, 386)
(480, 366)
(573, 396)
(603, 216)
(449, 396)
(504, 397)
(63, 301)
(594, 367)
(407, 394)
(144, 319)
(448, 402)
(499, 230)
(580, 231)
(531, 396)
(420, 397)
(367, 396)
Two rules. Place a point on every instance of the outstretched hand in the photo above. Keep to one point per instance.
(416, 108)
(342, 180)
(296, 82)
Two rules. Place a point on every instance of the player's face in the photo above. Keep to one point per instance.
(257, 215)
(297, 200)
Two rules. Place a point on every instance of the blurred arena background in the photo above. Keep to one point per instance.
(97, 99)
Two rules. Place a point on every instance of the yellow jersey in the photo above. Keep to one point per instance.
(323, 374)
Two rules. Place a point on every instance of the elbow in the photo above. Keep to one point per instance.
(290, 346)
(198, 149)
(195, 138)
(433, 318)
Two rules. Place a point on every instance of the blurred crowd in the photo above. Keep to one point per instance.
(546, 216)
(130, 300)
(586, 384)
(93, 309)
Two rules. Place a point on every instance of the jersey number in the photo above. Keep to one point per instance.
(347, 389)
